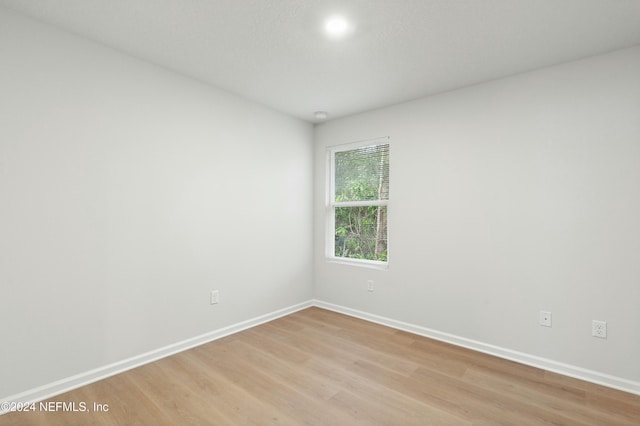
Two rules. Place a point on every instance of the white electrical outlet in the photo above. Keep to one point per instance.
(215, 297)
(599, 329)
(545, 318)
(369, 285)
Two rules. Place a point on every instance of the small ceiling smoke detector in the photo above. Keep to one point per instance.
(337, 27)
(320, 115)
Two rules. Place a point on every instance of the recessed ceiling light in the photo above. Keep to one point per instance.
(337, 27)
(320, 115)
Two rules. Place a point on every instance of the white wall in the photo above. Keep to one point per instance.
(510, 197)
(127, 193)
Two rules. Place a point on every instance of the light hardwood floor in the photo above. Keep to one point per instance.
(323, 368)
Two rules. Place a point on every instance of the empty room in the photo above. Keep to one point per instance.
(398, 212)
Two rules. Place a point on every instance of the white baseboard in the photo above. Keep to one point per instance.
(65, 385)
(520, 357)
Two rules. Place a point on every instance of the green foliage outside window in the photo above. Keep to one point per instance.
(358, 235)
(362, 175)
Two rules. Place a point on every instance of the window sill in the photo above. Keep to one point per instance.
(372, 264)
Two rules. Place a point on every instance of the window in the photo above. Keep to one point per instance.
(358, 200)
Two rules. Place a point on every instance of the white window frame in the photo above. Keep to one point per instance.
(331, 205)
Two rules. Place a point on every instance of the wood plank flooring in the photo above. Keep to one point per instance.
(318, 367)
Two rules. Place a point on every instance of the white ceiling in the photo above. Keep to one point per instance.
(274, 51)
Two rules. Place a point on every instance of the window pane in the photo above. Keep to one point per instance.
(361, 232)
(362, 174)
